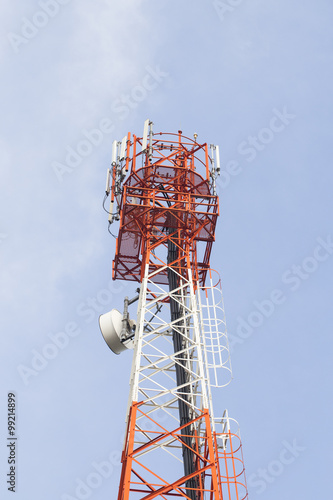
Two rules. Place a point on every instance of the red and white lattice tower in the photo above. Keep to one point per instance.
(162, 192)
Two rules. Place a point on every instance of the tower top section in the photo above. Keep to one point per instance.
(162, 186)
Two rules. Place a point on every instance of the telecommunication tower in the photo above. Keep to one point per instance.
(162, 190)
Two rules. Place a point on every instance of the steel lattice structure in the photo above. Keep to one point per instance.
(167, 211)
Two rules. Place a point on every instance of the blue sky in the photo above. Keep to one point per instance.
(253, 76)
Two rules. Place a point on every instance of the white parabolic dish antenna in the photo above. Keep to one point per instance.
(111, 327)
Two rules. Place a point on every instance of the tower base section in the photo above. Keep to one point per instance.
(219, 469)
